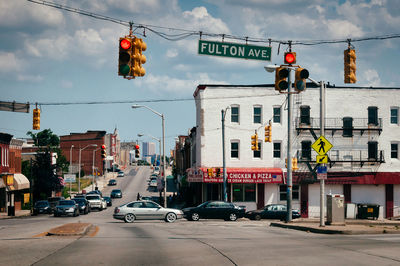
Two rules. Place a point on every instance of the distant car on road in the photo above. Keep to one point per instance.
(53, 201)
(214, 210)
(146, 210)
(112, 182)
(120, 174)
(98, 192)
(116, 193)
(272, 211)
(95, 201)
(108, 200)
(84, 205)
(153, 183)
(66, 207)
(42, 206)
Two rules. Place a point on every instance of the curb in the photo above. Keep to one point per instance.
(71, 229)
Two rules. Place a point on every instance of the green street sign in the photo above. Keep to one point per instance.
(235, 50)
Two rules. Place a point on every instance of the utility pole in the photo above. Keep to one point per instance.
(322, 181)
(224, 192)
(289, 153)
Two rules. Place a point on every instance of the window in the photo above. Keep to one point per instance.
(257, 115)
(277, 114)
(373, 115)
(305, 115)
(347, 127)
(373, 150)
(394, 115)
(244, 192)
(234, 149)
(235, 114)
(394, 150)
(277, 150)
(306, 149)
(257, 154)
(283, 192)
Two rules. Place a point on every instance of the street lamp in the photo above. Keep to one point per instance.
(94, 154)
(80, 151)
(70, 167)
(163, 146)
(159, 141)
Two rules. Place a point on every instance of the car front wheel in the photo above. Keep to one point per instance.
(257, 217)
(129, 218)
(232, 217)
(195, 216)
(170, 217)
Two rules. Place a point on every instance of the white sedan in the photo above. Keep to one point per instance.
(146, 210)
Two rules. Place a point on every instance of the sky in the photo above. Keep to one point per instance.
(51, 57)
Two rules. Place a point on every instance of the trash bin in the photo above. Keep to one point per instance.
(335, 209)
(367, 210)
(11, 210)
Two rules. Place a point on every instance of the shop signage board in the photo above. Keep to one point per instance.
(245, 178)
(322, 145)
(234, 50)
(70, 178)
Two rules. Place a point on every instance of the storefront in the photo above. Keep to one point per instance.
(245, 186)
(14, 192)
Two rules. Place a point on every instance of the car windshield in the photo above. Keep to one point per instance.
(106, 198)
(203, 204)
(41, 204)
(116, 191)
(66, 202)
(91, 197)
(79, 200)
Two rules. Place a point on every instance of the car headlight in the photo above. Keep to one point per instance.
(71, 209)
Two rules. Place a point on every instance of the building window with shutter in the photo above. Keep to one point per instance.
(277, 114)
(257, 115)
(277, 150)
(235, 149)
(394, 115)
(305, 115)
(347, 127)
(306, 149)
(235, 114)
(372, 150)
(373, 115)
(394, 150)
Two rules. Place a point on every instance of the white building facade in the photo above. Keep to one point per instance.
(362, 124)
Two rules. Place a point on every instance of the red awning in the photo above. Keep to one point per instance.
(245, 175)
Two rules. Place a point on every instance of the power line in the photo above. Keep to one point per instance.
(185, 33)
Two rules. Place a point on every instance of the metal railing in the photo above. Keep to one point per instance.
(344, 156)
(336, 123)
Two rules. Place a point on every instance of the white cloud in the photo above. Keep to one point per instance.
(172, 53)
(56, 48)
(9, 63)
(342, 29)
(67, 84)
(30, 78)
(199, 18)
(370, 77)
(89, 42)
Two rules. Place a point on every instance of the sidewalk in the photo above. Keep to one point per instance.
(18, 214)
(351, 227)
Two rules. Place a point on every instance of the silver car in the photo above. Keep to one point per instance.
(146, 210)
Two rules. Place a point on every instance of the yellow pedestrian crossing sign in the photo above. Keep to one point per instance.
(322, 145)
(322, 159)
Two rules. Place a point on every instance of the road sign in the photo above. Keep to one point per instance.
(234, 50)
(322, 172)
(322, 159)
(70, 178)
(322, 145)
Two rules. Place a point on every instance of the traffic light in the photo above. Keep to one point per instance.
(254, 142)
(281, 75)
(350, 66)
(218, 172)
(36, 119)
(268, 133)
(138, 58)
(290, 58)
(125, 57)
(210, 172)
(294, 164)
(103, 151)
(137, 151)
(301, 75)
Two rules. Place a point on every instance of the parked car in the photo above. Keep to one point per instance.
(66, 207)
(112, 182)
(116, 193)
(80, 195)
(120, 174)
(53, 201)
(153, 183)
(98, 192)
(215, 210)
(95, 201)
(146, 210)
(42, 206)
(84, 205)
(272, 211)
(108, 200)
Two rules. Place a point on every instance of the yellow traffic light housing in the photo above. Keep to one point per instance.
(350, 66)
(254, 142)
(36, 119)
(268, 133)
(281, 75)
(294, 164)
(125, 56)
(138, 58)
(301, 75)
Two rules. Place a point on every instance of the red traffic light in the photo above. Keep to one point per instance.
(137, 147)
(103, 147)
(290, 58)
(125, 44)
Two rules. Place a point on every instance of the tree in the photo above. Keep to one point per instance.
(44, 173)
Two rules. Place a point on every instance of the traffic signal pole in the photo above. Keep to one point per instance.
(289, 153)
(224, 192)
(322, 181)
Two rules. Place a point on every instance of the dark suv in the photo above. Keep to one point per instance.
(214, 210)
(42, 206)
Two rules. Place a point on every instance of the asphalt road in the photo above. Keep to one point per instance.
(207, 242)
